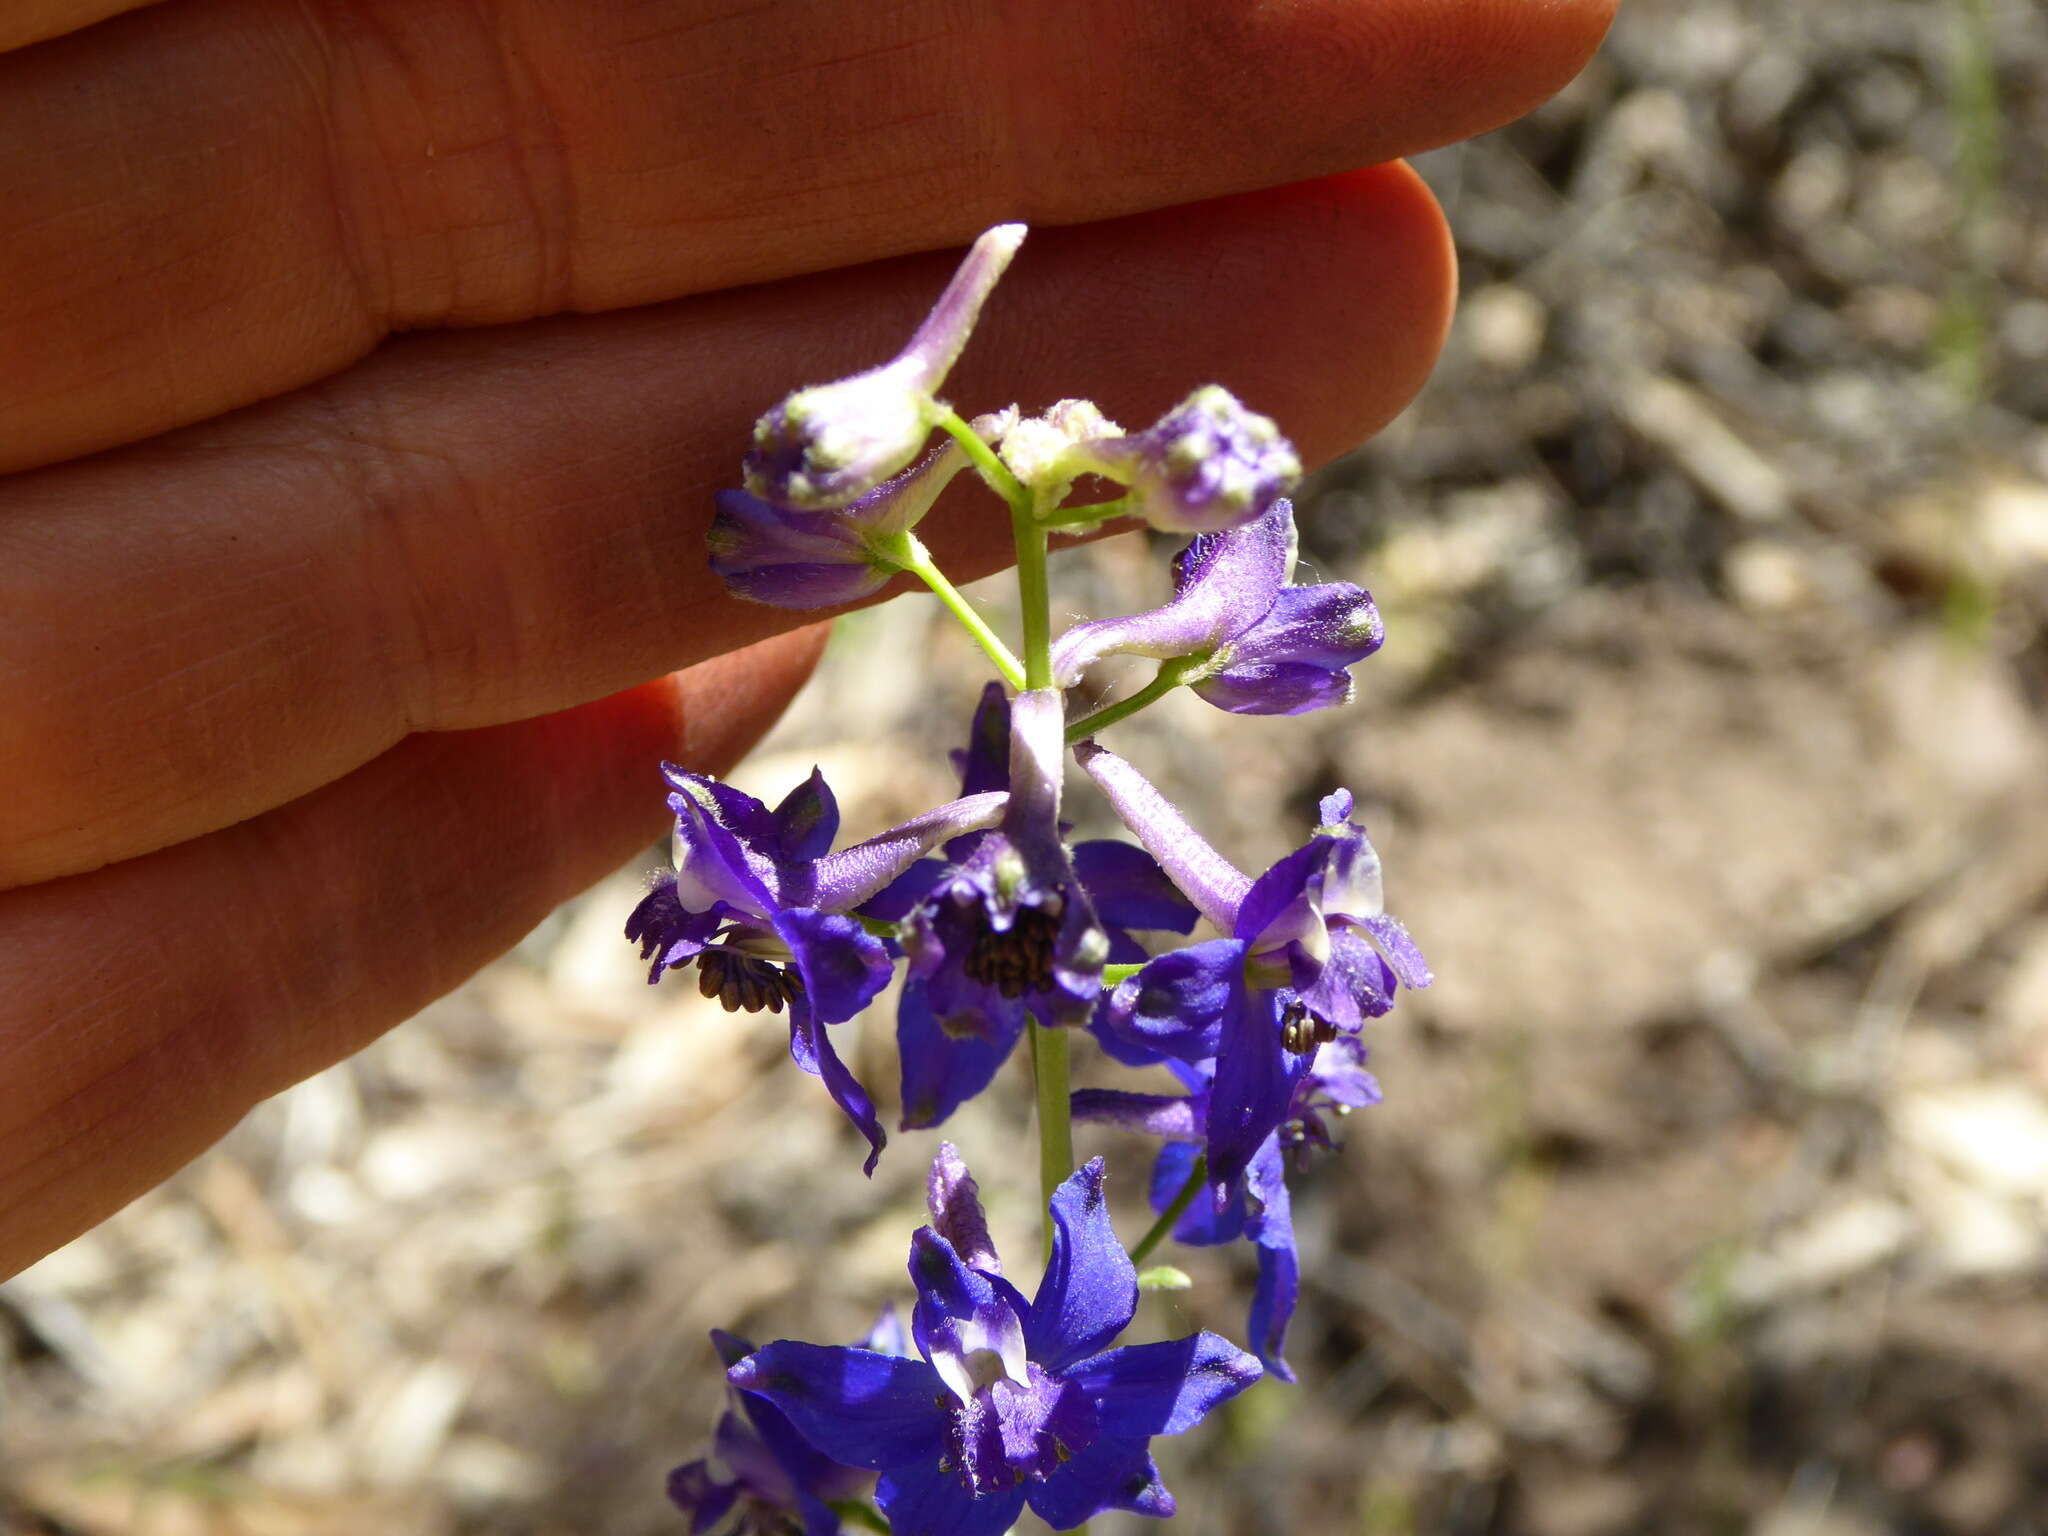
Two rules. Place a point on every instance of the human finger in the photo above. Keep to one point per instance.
(479, 527)
(215, 201)
(30, 21)
(146, 1007)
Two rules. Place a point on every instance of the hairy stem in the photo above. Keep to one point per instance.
(984, 460)
(1048, 1046)
(1033, 595)
(908, 551)
(1163, 682)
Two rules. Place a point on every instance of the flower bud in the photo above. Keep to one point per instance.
(1208, 464)
(829, 444)
(1040, 449)
(788, 559)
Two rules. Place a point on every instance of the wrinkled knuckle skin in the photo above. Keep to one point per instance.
(450, 174)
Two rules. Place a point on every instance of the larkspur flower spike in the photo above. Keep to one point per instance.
(829, 444)
(1008, 929)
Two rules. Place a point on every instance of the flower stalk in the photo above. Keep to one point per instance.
(1049, 1057)
(1090, 514)
(1055, 1120)
(983, 458)
(1198, 1175)
(911, 555)
(1033, 594)
(1164, 681)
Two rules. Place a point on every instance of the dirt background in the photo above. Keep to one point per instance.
(1706, 756)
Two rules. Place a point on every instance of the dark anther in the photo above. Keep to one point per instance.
(1301, 1030)
(1018, 960)
(746, 982)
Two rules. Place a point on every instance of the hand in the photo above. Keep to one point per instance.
(314, 635)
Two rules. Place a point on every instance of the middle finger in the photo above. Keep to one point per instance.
(479, 527)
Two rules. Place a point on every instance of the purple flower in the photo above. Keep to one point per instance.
(1014, 925)
(827, 445)
(775, 1481)
(758, 903)
(1207, 464)
(790, 559)
(1257, 1207)
(1012, 1402)
(1311, 954)
(1254, 644)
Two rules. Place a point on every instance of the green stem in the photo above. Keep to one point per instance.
(1163, 682)
(1033, 596)
(1088, 515)
(1055, 1122)
(1112, 974)
(1170, 1217)
(984, 460)
(909, 552)
(1032, 593)
(1048, 1046)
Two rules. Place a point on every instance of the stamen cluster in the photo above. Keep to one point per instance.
(1004, 929)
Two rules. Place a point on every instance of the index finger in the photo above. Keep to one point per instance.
(213, 201)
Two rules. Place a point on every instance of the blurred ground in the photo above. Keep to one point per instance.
(1706, 754)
